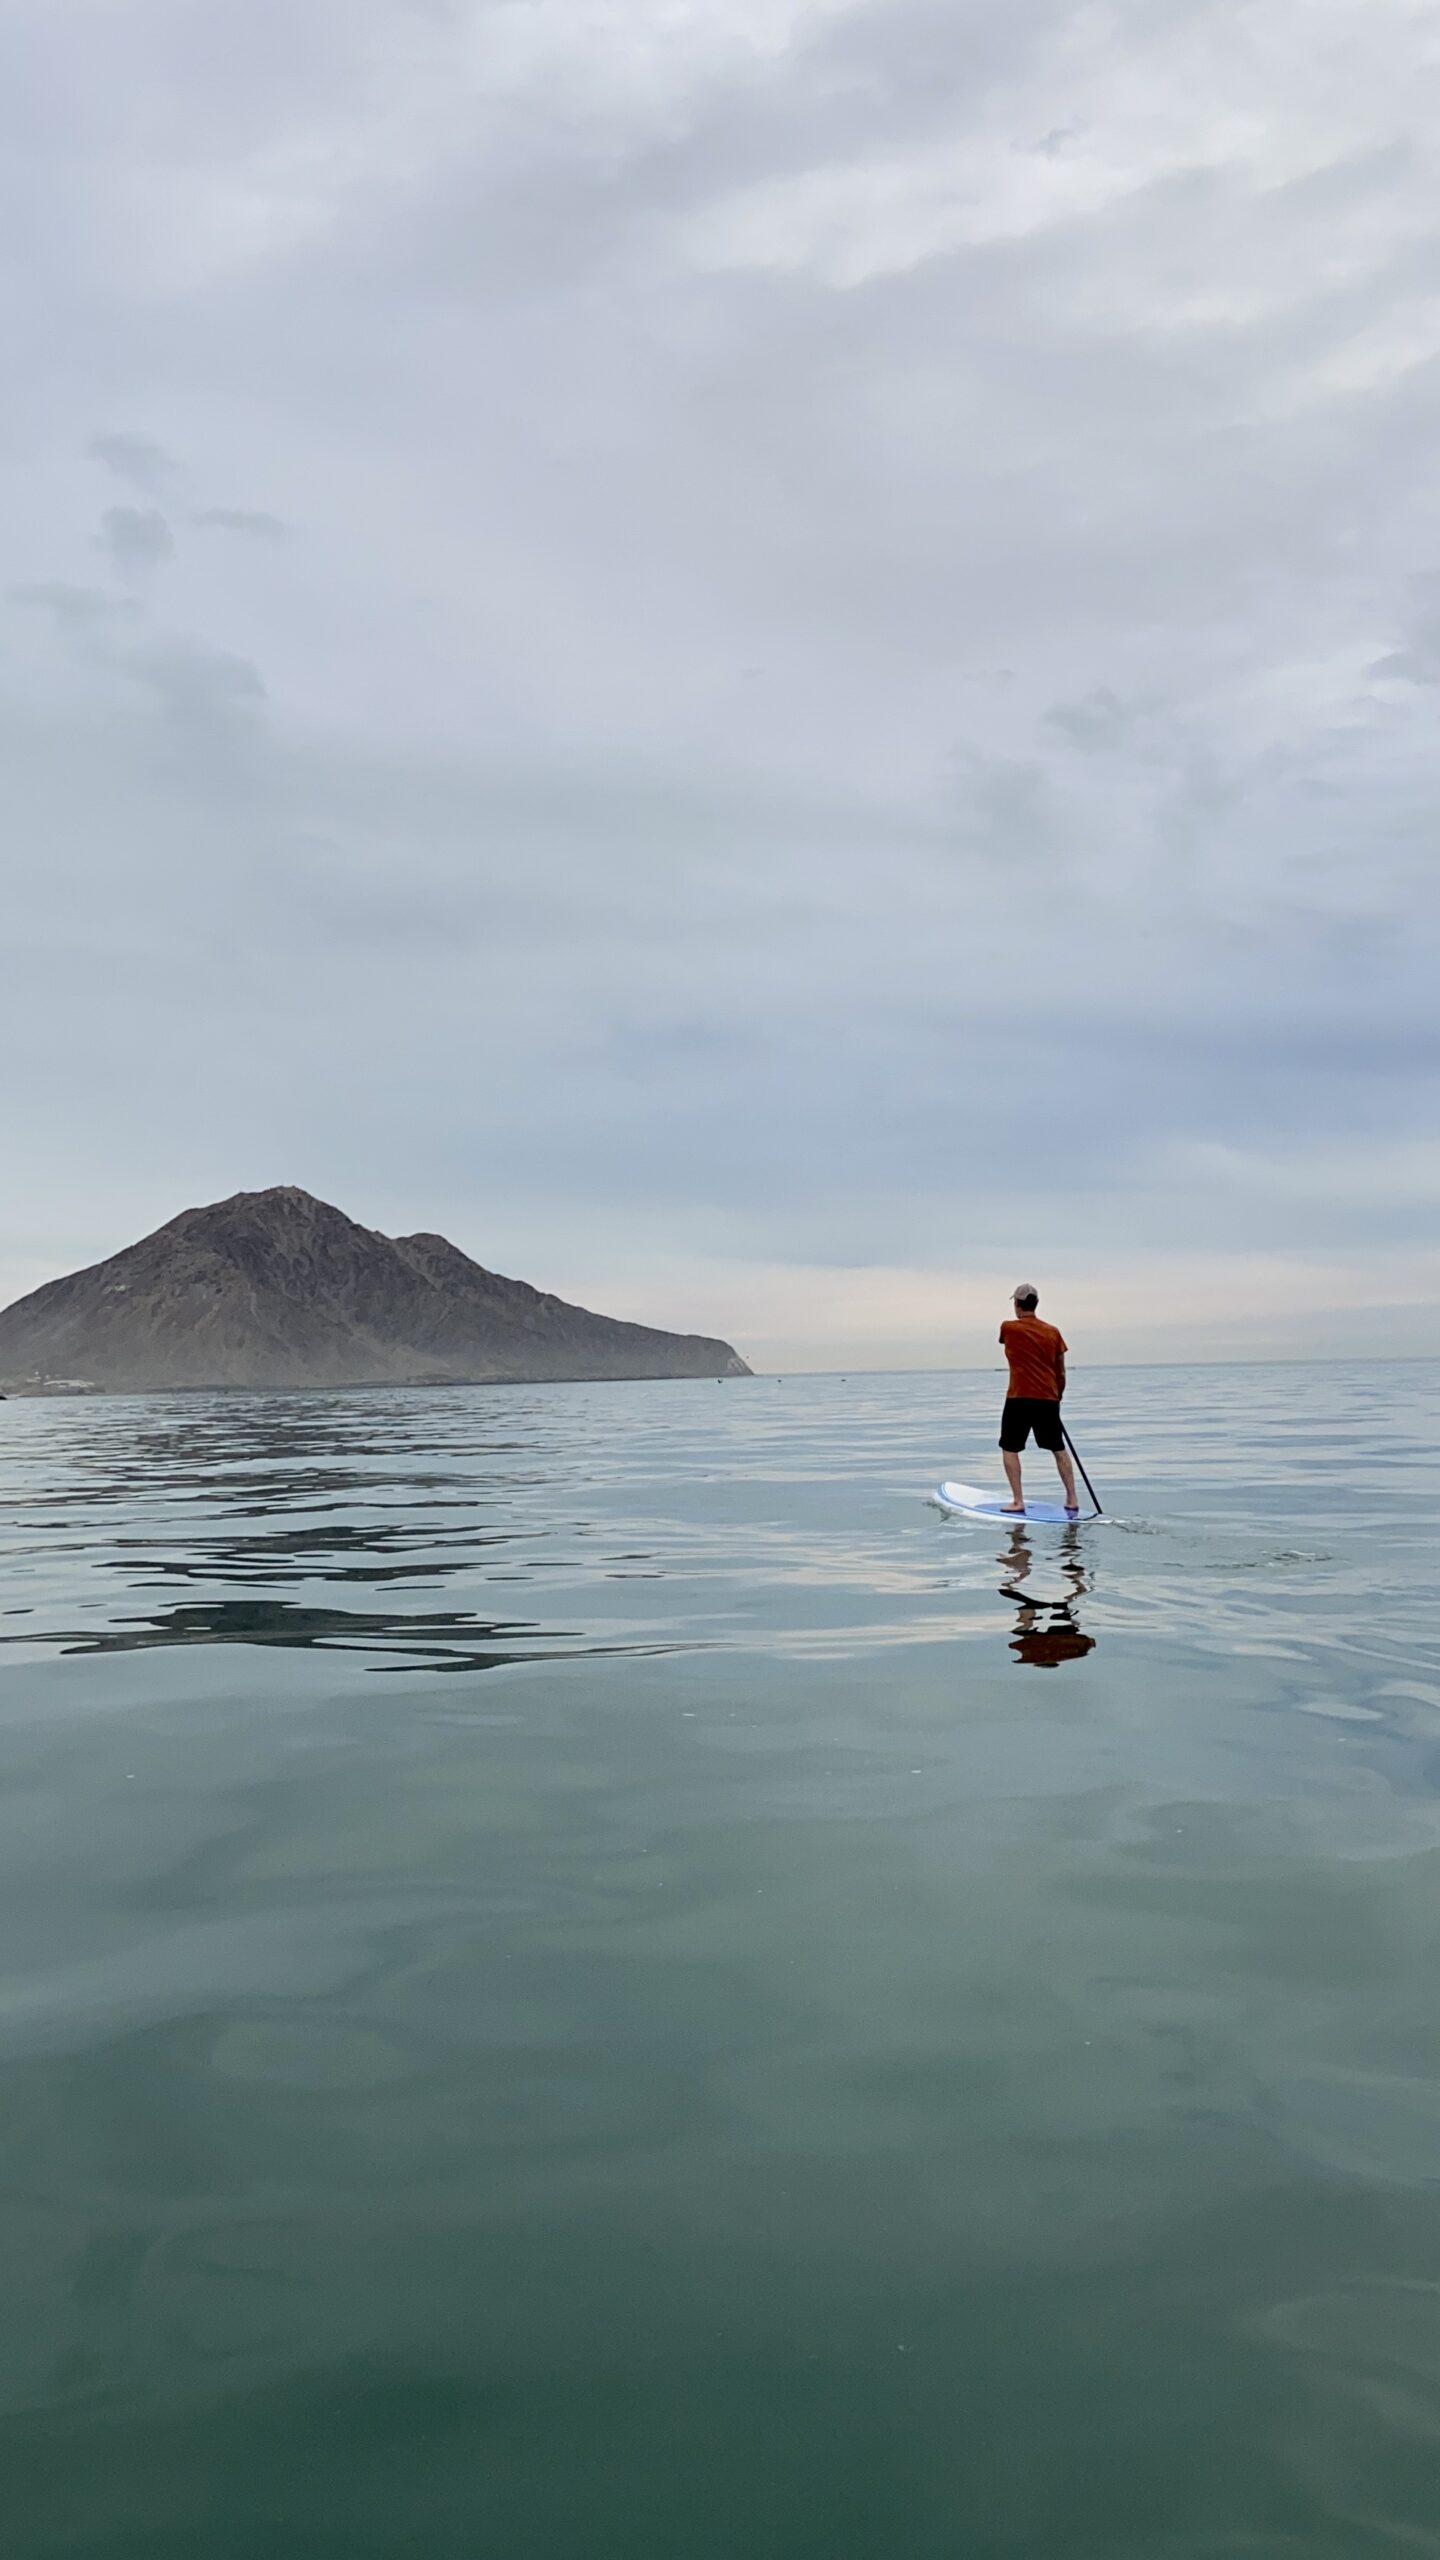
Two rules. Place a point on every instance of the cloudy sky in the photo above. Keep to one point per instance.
(775, 659)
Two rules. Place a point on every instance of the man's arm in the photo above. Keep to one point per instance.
(1060, 1374)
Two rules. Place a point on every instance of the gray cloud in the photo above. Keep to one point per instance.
(857, 558)
(245, 520)
(1098, 720)
(1418, 660)
(137, 539)
(78, 613)
(137, 460)
(197, 686)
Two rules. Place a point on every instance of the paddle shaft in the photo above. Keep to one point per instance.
(1080, 1463)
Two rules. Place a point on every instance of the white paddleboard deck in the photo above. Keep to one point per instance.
(977, 1504)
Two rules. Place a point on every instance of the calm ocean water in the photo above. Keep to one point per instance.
(582, 1981)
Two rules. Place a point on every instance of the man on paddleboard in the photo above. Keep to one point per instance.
(1036, 1353)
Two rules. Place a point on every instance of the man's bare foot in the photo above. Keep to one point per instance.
(1012, 1510)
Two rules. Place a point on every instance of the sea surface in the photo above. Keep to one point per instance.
(587, 1978)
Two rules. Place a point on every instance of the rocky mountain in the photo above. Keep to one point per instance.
(276, 1289)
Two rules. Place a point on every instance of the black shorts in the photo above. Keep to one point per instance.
(1024, 1414)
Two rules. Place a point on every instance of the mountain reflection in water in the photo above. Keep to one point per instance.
(447, 1640)
(289, 1497)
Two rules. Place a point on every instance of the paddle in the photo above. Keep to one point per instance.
(1080, 1463)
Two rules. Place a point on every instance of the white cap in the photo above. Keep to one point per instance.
(1026, 1289)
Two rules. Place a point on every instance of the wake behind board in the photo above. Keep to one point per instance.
(976, 1504)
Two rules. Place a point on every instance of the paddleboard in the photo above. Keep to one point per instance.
(976, 1504)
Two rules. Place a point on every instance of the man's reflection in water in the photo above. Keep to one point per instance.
(1046, 1631)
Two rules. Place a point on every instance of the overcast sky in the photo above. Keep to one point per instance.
(777, 660)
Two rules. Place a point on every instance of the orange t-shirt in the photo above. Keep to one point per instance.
(1033, 1350)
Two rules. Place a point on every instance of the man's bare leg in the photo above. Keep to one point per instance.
(1067, 1478)
(1012, 1478)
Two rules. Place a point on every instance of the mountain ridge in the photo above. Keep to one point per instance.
(275, 1288)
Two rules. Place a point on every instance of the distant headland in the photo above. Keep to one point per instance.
(277, 1289)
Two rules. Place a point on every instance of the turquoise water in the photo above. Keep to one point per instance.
(583, 1978)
